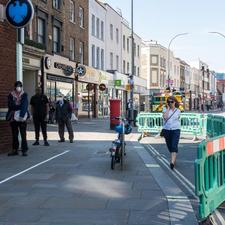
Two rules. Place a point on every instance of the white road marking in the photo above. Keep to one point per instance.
(32, 167)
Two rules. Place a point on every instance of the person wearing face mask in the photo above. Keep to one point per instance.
(39, 109)
(63, 118)
(17, 116)
(171, 127)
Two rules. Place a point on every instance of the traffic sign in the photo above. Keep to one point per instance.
(19, 12)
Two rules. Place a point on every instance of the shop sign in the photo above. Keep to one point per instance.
(117, 82)
(67, 70)
(47, 62)
(19, 12)
(81, 70)
(90, 87)
(102, 87)
(59, 78)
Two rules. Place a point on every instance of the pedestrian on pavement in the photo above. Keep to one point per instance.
(63, 117)
(171, 127)
(39, 109)
(17, 115)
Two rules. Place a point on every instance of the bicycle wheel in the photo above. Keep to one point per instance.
(113, 162)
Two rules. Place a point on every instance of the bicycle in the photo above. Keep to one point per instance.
(118, 145)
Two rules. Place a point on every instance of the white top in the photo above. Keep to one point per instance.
(173, 123)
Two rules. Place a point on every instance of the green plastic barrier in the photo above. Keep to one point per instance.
(191, 123)
(210, 174)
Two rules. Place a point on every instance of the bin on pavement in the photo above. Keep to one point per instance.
(114, 112)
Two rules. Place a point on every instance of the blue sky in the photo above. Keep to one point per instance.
(162, 19)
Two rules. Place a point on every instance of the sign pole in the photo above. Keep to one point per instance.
(19, 54)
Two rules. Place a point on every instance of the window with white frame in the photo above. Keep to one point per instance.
(128, 67)
(98, 58)
(81, 16)
(102, 30)
(56, 39)
(134, 70)
(93, 55)
(117, 63)
(138, 51)
(41, 31)
(135, 52)
(102, 59)
(128, 45)
(111, 60)
(93, 25)
(124, 66)
(111, 31)
(72, 48)
(138, 72)
(81, 52)
(72, 11)
(97, 27)
(117, 35)
(56, 4)
(124, 42)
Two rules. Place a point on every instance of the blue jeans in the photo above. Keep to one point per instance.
(172, 139)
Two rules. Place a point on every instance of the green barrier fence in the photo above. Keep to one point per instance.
(191, 123)
(210, 174)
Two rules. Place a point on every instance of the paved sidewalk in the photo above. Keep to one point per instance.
(72, 184)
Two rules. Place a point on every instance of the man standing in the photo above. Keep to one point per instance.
(63, 117)
(39, 109)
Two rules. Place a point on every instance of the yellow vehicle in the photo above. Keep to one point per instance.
(159, 101)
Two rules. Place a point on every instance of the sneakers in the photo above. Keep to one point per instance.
(36, 143)
(13, 153)
(71, 141)
(46, 143)
(171, 166)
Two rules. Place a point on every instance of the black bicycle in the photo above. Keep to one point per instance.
(118, 145)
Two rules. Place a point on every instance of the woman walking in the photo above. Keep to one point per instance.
(171, 128)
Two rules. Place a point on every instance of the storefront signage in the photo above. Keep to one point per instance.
(19, 12)
(48, 63)
(90, 87)
(59, 78)
(117, 82)
(81, 70)
(67, 70)
(102, 87)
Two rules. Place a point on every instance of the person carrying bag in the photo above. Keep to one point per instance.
(171, 128)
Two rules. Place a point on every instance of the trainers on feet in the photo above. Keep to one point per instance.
(71, 141)
(46, 143)
(36, 143)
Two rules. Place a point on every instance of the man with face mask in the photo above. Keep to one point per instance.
(39, 109)
(17, 115)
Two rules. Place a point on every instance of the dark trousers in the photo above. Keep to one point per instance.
(172, 139)
(61, 128)
(16, 128)
(40, 123)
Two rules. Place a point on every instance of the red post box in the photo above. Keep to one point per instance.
(114, 112)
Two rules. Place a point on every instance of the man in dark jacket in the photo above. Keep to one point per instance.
(63, 117)
(17, 116)
(39, 109)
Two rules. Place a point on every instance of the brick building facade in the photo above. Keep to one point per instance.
(7, 77)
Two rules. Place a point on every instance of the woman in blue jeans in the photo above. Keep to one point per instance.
(171, 127)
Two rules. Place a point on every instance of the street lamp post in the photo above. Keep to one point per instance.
(132, 66)
(168, 57)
